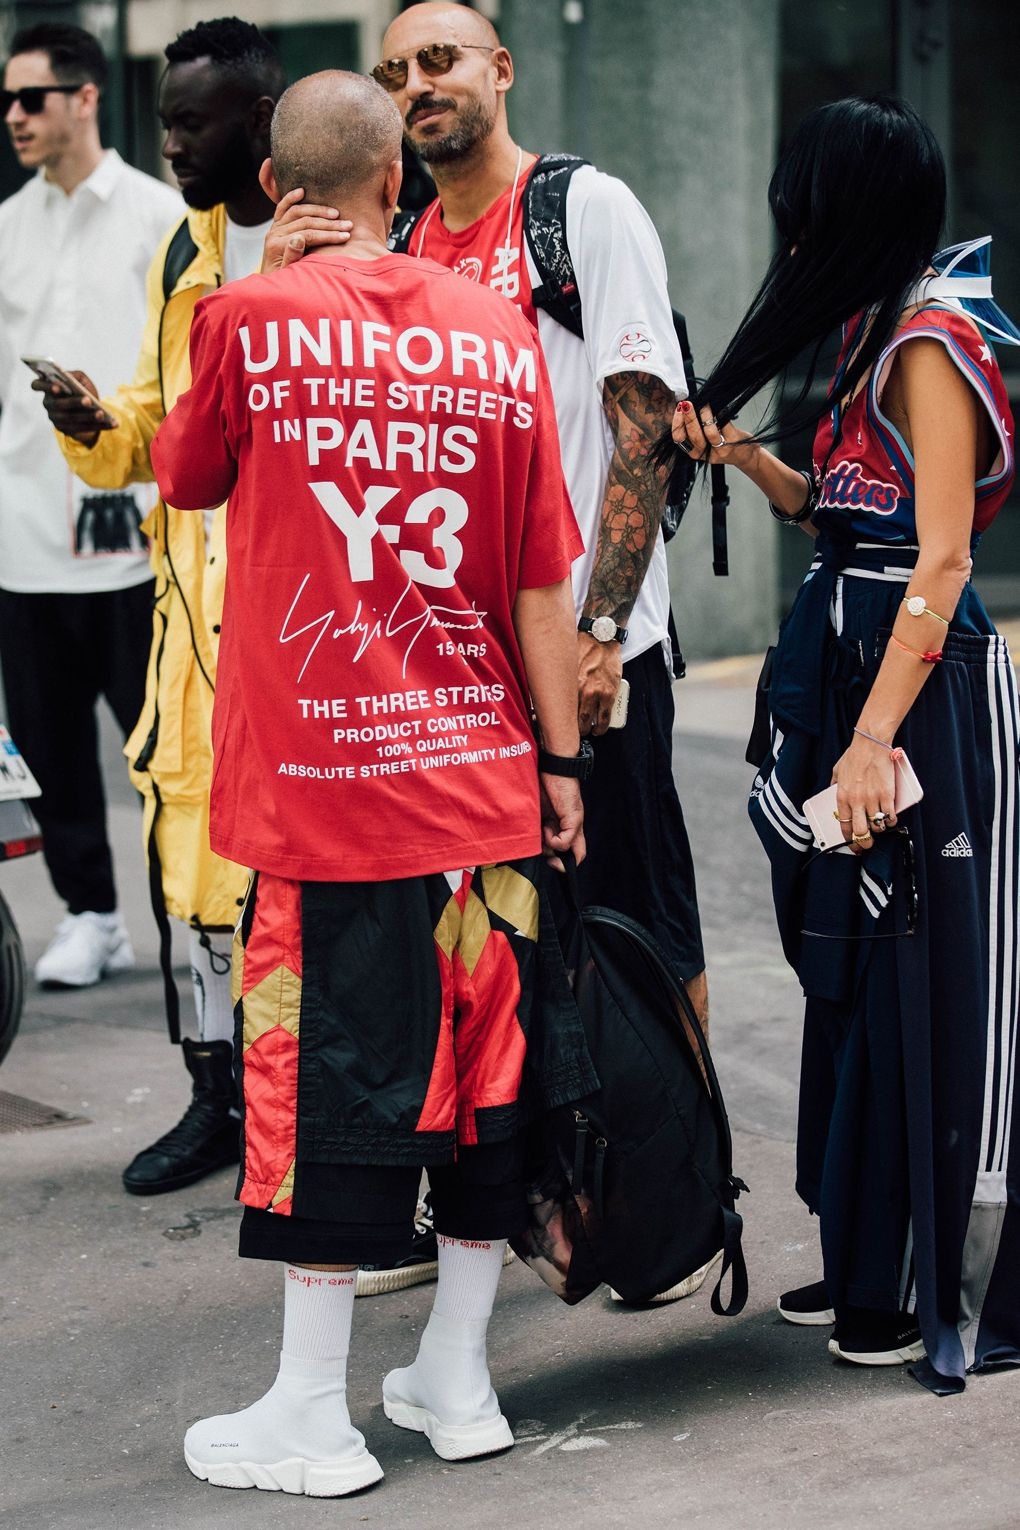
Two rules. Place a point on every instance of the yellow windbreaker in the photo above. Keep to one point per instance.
(170, 750)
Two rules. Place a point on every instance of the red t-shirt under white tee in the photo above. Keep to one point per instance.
(386, 436)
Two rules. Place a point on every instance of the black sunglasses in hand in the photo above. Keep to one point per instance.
(911, 896)
(433, 60)
(32, 98)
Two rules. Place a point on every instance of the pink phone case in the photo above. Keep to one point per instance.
(820, 810)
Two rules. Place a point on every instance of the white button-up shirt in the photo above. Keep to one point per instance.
(72, 287)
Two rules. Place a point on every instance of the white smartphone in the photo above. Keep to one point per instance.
(823, 816)
(618, 716)
(50, 371)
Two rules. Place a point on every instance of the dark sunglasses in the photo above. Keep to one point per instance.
(32, 98)
(911, 898)
(436, 59)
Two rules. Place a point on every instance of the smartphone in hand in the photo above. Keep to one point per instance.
(823, 816)
(621, 701)
(50, 372)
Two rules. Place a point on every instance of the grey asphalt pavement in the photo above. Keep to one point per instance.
(122, 1319)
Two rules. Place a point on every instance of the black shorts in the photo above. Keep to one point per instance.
(482, 1196)
(639, 857)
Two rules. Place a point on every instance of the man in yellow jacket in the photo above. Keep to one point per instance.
(216, 101)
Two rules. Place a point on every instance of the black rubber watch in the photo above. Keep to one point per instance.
(579, 765)
(603, 629)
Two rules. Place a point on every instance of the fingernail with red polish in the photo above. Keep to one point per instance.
(686, 406)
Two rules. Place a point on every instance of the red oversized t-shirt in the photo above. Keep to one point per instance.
(386, 435)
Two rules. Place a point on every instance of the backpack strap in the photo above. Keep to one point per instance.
(180, 252)
(545, 228)
(720, 504)
(404, 225)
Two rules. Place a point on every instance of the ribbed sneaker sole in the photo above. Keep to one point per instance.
(901, 1356)
(676, 1293)
(314, 1479)
(823, 1318)
(451, 1442)
(379, 1282)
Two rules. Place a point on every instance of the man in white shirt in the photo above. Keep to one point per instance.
(75, 582)
(615, 391)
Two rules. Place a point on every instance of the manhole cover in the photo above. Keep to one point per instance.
(20, 1115)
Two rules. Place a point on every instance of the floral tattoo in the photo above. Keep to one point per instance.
(638, 408)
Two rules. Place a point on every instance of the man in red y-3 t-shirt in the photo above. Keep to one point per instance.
(399, 549)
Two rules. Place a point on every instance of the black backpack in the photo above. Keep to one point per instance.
(633, 1185)
(545, 227)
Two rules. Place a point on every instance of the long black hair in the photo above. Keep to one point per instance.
(858, 199)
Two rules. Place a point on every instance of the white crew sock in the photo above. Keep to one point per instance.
(469, 1272)
(304, 1413)
(210, 980)
(450, 1375)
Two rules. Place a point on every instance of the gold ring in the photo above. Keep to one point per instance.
(859, 839)
(878, 819)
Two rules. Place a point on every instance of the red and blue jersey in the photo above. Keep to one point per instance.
(867, 492)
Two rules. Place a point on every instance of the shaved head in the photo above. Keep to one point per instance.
(450, 23)
(336, 134)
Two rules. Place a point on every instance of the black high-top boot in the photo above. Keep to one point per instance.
(206, 1138)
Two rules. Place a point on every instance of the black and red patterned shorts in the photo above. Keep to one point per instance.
(379, 1024)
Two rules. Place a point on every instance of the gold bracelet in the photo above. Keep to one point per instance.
(915, 604)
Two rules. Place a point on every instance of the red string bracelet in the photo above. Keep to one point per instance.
(933, 655)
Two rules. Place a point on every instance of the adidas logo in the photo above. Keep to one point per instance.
(959, 846)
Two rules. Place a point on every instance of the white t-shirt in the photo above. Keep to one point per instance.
(72, 286)
(242, 255)
(628, 327)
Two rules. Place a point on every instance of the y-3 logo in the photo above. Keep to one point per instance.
(361, 527)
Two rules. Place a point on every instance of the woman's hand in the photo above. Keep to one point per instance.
(297, 228)
(865, 778)
(704, 438)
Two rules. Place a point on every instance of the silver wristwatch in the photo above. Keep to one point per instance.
(603, 629)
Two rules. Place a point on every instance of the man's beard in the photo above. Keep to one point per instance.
(205, 193)
(472, 127)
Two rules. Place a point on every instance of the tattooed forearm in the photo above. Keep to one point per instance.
(638, 408)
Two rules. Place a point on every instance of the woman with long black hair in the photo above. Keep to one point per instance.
(904, 935)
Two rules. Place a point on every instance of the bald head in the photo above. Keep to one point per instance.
(448, 23)
(336, 134)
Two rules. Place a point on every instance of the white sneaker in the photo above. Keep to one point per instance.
(446, 1393)
(296, 1439)
(85, 948)
(683, 1288)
